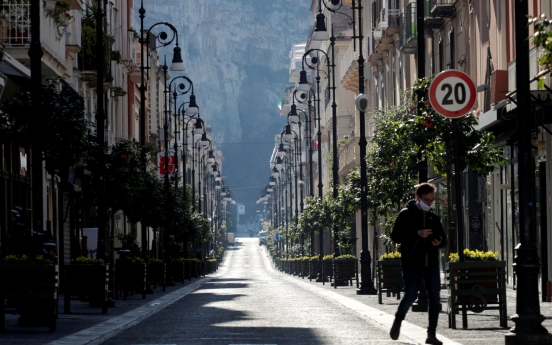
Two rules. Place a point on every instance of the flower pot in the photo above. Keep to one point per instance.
(391, 273)
(88, 282)
(313, 269)
(49, 5)
(30, 291)
(345, 271)
(478, 279)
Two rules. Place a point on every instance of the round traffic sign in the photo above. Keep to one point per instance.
(278, 237)
(452, 93)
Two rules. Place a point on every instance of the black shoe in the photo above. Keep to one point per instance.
(432, 339)
(396, 329)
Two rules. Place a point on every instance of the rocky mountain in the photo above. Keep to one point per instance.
(237, 54)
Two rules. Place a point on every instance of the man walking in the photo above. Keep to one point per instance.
(420, 234)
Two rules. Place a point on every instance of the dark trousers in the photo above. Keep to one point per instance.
(412, 277)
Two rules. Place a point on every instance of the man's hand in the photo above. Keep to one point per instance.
(423, 233)
(437, 242)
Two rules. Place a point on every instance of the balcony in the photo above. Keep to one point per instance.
(437, 11)
(442, 8)
(349, 68)
(393, 22)
(409, 30)
(348, 156)
(15, 34)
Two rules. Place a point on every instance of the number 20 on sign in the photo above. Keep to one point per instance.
(452, 94)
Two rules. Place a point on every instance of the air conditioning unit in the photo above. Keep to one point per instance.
(499, 86)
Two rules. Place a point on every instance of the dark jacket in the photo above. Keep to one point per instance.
(414, 249)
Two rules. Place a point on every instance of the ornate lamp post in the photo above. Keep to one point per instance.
(191, 120)
(35, 53)
(177, 65)
(182, 87)
(528, 320)
(367, 285)
(304, 86)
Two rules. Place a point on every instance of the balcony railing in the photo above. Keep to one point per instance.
(409, 30)
(348, 153)
(16, 24)
(350, 56)
(15, 30)
(442, 8)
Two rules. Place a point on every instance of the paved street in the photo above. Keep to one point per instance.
(247, 301)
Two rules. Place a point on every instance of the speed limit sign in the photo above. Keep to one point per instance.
(452, 94)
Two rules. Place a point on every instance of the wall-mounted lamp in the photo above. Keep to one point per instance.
(462, 60)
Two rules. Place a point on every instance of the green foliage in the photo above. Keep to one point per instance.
(129, 242)
(542, 38)
(61, 17)
(60, 130)
(27, 260)
(345, 257)
(83, 260)
(431, 135)
(89, 42)
(390, 256)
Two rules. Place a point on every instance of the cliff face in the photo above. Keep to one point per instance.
(237, 54)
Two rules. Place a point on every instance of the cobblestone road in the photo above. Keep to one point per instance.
(246, 303)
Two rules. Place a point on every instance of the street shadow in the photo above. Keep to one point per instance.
(202, 319)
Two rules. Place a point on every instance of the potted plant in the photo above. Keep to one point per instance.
(345, 269)
(389, 275)
(29, 287)
(60, 16)
(156, 271)
(313, 267)
(476, 262)
(327, 267)
(87, 278)
(177, 269)
(482, 279)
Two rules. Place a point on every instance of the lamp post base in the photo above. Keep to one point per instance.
(367, 289)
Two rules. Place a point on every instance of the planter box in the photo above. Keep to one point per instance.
(30, 291)
(390, 280)
(176, 270)
(87, 282)
(130, 278)
(156, 273)
(482, 285)
(210, 266)
(304, 268)
(138, 276)
(195, 268)
(327, 270)
(313, 269)
(344, 272)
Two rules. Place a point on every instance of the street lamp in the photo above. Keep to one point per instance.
(307, 95)
(177, 64)
(184, 85)
(367, 285)
(303, 86)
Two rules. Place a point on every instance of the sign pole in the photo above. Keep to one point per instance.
(457, 187)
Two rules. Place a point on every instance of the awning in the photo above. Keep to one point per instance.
(15, 70)
(502, 119)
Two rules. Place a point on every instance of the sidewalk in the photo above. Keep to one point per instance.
(85, 325)
(483, 328)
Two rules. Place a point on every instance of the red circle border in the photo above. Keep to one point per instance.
(433, 90)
